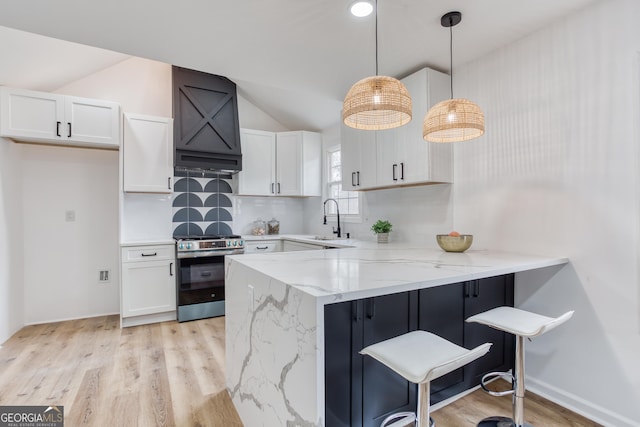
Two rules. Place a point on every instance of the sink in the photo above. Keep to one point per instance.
(328, 238)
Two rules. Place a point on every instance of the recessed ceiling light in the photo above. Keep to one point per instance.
(361, 8)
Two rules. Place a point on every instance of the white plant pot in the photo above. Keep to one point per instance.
(383, 237)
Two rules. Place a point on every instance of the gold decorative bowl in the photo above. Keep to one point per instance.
(454, 243)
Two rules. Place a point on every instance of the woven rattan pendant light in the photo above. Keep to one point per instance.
(457, 119)
(377, 102)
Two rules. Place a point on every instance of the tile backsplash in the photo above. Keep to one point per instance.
(202, 206)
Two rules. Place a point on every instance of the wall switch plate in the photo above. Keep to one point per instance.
(70, 216)
(251, 299)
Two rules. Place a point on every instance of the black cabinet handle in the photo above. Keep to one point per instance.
(353, 179)
(170, 269)
(358, 175)
(272, 184)
(69, 135)
(169, 183)
(395, 170)
(466, 289)
(262, 247)
(153, 254)
(355, 311)
(371, 308)
(402, 171)
(476, 289)
(58, 128)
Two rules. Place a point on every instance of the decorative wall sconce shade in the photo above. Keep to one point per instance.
(453, 120)
(378, 102)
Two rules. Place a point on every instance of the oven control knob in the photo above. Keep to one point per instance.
(188, 245)
(241, 242)
(228, 242)
(235, 243)
(181, 246)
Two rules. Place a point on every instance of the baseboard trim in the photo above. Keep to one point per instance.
(42, 322)
(579, 405)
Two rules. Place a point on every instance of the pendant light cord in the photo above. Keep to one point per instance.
(451, 54)
(376, 37)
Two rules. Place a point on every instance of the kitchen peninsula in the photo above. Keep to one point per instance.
(280, 306)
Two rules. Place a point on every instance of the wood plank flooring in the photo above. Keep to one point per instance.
(168, 374)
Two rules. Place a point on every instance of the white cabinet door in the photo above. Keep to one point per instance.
(280, 164)
(36, 116)
(257, 177)
(359, 157)
(92, 121)
(147, 156)
(425, 161)
(148, 287)
(51, 118)
(289, 163)
(148, 283)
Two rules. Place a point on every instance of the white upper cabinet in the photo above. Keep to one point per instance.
(400, 156)
(147, 154)
(358, 151)
(257, 177)
(31, 116)
(280, 163)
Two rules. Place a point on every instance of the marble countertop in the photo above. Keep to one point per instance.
(371, 269)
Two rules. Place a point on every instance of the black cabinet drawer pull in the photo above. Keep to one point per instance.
(395, 171)
(153, 254)
(402, 171)
(278, 188)
(205, 274)
(169, 183)
(272, 184)
(476, 289)
(58, 128)
(353, 179)
(262, 247)
(170, 269)
(466, 290)
(358, 180)
(69, 135)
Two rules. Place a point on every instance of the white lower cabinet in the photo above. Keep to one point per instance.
(262, 246)
(148, 285)
(290, 246)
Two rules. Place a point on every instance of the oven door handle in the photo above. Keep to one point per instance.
(205, 273)
(205, 253)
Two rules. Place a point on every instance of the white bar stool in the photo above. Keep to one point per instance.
(521, 324)
(420, 357)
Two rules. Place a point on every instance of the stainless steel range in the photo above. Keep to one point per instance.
(200, 280)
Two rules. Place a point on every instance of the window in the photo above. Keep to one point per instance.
(349, 201)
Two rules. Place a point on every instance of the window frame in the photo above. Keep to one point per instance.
(326, 189)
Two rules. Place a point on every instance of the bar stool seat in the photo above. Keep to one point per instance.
(522, 324)
(420, 357)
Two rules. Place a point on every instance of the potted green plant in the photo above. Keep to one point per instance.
(382, 229)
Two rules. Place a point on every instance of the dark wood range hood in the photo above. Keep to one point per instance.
(206, 130)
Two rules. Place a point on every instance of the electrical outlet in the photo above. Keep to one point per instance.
(104, 276)
(250, 296)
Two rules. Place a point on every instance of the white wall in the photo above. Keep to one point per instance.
(62, 259)
(11, 255)
(557, 174)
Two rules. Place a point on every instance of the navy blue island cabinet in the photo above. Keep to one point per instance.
(359, 391)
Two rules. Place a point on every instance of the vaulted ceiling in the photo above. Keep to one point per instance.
(295, 59)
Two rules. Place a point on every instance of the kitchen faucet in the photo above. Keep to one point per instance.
(324, 208)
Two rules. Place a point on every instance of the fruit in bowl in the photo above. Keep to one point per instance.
(454, 241)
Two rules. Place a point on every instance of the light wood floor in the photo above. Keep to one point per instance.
(167, 374)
